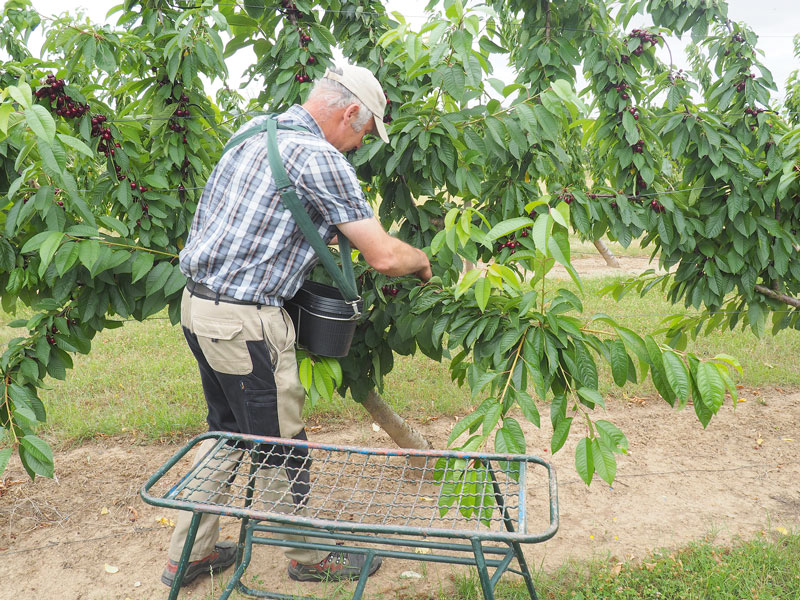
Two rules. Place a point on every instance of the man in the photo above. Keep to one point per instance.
(245, 256)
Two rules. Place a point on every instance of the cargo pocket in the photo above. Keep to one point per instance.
(223, 345)
(262, 412)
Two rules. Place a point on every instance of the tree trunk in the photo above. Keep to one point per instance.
(609, 257)
(402, 434)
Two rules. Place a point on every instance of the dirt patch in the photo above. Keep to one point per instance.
(679, 483)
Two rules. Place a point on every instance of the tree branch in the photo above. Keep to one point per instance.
(778, 296)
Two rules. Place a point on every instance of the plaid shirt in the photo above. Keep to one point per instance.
(243, 242)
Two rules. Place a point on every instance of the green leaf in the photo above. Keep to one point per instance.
(41, 122)
(306, 370)
(175, 283)
(619, 361)
(77, 144)
(677, 376)
(515, 435)
(560, 434)
(323, 384)
(605, 463)
(491, 418)
(586, 369)
(36, 456)
(35, 242)
(483, 290)
(114, 224)
(466, 282)
(157, 180)
(89, 253)
(48, 249)
(5, 456)
(612, 436)
(141, 265)
(5, 112)
(711, 386)
(583, 460)
(504, 228)
(464, 424)
(528, 407)
(21, 94)
(158, 277)
(657, 372)
(591, 397)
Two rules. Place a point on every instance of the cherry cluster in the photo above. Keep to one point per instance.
(566, 197)
(645, 37)
(136, 187)
(737, 37)
(181, 113)
(681, 76)
(622, 88)
(106, 145)
(638, 147)
(657, 206)
(634, 112)
(754, 111)
(511, 243)
(49, 336)
(290, 9)
(741, 85)
(389, 290)
(53, 89)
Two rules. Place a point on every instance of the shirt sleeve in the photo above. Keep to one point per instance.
(329, 182)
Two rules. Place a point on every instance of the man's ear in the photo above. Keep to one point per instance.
(351, 113)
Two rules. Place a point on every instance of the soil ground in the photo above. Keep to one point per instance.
(679, 483)
(88, 536)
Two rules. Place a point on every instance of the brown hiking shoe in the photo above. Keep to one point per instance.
(334, 567)
(221, 558)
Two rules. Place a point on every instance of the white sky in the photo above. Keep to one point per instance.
(775, 21)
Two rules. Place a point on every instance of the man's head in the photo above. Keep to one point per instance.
(348, 102)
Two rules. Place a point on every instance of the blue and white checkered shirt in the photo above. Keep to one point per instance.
(243, 242)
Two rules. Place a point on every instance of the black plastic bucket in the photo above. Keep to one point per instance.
(324, 322)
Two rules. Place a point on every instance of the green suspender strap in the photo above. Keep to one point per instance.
(344, 278)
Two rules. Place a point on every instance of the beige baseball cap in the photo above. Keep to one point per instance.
(364, 86)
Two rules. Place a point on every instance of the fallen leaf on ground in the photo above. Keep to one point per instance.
(111, 569)
(104, 511)
(782, 530)
(134, 514)
(165, 522)
(422, 550)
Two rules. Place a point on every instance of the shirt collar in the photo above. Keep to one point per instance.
(300, 116)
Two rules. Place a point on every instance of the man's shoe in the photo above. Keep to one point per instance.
(337, 566)
(223, 556)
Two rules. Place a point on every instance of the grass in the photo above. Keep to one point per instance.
(761, 568)
(766, 567)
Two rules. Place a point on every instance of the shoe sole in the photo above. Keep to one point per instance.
(328, 577)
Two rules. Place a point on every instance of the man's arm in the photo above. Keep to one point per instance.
(386, 254)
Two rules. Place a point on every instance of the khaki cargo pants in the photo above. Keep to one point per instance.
(248, 368)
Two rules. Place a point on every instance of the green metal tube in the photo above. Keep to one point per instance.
(184, 561)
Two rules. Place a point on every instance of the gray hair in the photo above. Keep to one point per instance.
(335, 95)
